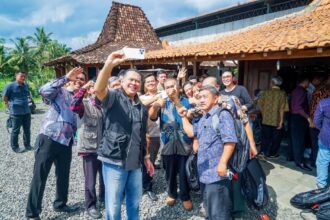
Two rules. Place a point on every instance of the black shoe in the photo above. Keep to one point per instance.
(273, 156)
(18, 150)
(152, 196)
(66, 209)
(28, 148)
(94, 213)
(304, 167)
(289, 159)
(33, 218)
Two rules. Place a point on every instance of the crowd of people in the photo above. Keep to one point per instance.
(120, 132)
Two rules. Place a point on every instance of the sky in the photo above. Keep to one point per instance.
(78, 23)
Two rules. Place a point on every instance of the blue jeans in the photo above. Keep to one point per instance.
(119, 182)
(322, 164)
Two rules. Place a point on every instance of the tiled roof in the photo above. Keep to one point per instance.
(309, 28)
(125, 25)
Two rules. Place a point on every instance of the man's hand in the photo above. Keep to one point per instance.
(182, 111)
(244, 108)
(310, 122)
(72, 75)
(160, 103)
(88, 85)
(149, 166)
(114, 59)
(222, 169)
(280, 126)
(182, 73)
(253, 150)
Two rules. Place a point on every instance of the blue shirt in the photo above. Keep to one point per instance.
(17, 98)
(210, 146)
(60, 123)
(322, 121)
(172, 136)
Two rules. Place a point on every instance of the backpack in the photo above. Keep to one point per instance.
(240, 155)
(323, 211)
(307, 200)
(192, 173)
(253, 185)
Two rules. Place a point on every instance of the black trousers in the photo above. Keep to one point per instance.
(18, 122)
(299, 131)
(173, 165)
(153, 150)
(271, 140)
(217, 200)
(49, 152)
(92, 166)
(314, 133)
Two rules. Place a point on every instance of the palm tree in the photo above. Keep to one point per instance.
(56, 49)
(41, 39)
(22, 54)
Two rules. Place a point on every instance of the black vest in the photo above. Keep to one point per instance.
(117, 130)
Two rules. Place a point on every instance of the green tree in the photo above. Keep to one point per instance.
(22, 55)
(56, 49)
(40, 39)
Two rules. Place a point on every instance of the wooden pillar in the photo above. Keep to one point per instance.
(185, 64)
(195, 67)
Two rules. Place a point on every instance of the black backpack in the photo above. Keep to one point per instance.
(307, 200)
(316, 201)
(253, 185)
(323, 211)
(240, 155)
(192, 173)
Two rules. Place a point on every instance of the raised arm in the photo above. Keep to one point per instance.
(155, 108)
(51, 89)
(182, 76)
(112, 61)
(77, 105)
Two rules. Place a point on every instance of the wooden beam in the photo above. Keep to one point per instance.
(307, 53)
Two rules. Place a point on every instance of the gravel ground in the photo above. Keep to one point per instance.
(16, 174)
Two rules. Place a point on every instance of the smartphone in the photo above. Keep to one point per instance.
(164, 95)
(134, 53)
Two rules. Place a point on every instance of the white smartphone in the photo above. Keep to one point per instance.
(164, 95)
(134, 53)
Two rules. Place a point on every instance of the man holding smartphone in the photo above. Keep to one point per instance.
(176, 145)
(123, 146)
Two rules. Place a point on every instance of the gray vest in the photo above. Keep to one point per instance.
(89, 128)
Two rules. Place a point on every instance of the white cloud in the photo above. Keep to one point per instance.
(49, 13)
(41, 16)
(202, 6)
(81, 41)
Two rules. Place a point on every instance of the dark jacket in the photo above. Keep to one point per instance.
(116, 141)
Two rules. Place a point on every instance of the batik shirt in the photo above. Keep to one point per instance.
(174, 140)
(210, 146)
(60, 122)
(271, 103)
(320, 93)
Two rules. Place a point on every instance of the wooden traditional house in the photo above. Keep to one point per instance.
(125, 25)
(296, 43)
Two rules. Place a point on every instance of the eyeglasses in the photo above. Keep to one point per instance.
(80, 78)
